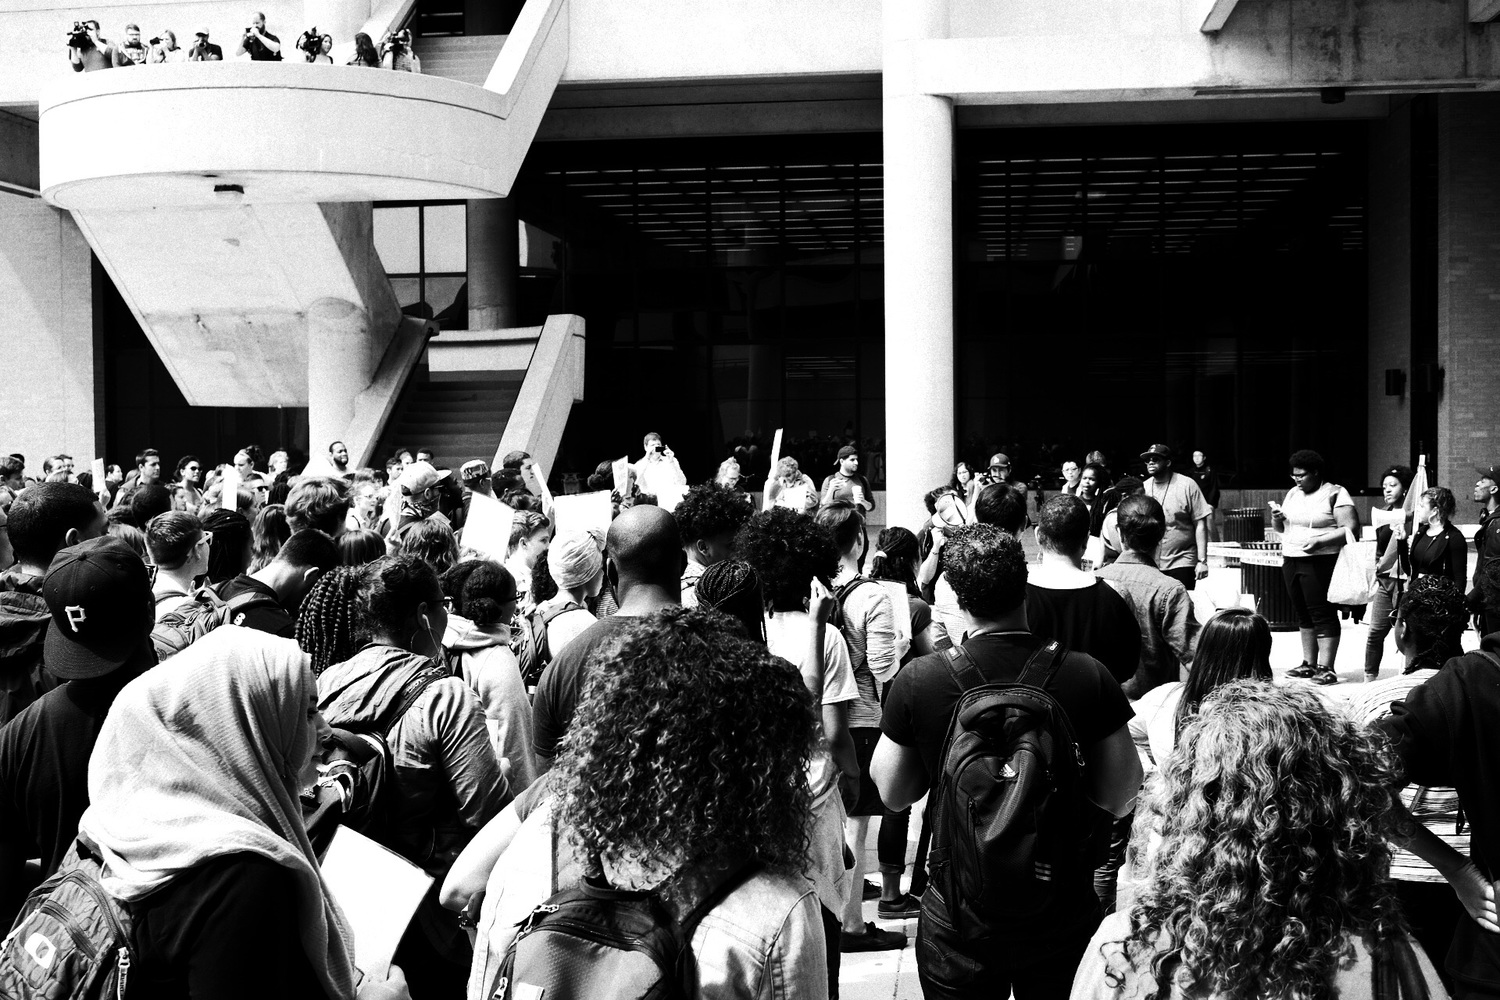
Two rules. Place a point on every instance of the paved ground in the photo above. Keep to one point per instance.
(892, 975)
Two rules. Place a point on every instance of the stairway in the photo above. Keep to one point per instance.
(460, 418)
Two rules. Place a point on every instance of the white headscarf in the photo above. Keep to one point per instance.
(201, 757)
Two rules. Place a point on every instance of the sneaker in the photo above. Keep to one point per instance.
(1370, 678)
(904, 907)
(872, 890)
(1304, 671)
(872, 939)
(1325, 678)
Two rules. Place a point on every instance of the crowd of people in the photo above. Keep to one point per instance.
(89, 50)
(656, 748)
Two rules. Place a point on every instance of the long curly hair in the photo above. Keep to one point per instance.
(689, 743)
(326, 626)
(787, 550)
(1262, 845)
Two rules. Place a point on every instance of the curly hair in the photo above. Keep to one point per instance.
(1435, 617)
(485, 590)
(1307, 460)
(455, 576)
(689, 743)
(1262, 843)
(326, 627)
(429, 539)
(390, 589)
(733, 589)
(711, 510)
(787, 549)
(894, 556)
(1402, 474)
(1440, 499)
(986, 567)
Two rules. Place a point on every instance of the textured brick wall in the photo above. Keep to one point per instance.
(49, 365)
(1469, 286)
(1389, 292)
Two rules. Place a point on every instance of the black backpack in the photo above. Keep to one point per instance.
(599, 942)
(353, 787)
(181, 627)
(535, 652)
(1008, 810)
(841, 595)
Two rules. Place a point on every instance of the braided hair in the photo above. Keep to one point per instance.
(732, 588)
(326, 628)
(1433, 610)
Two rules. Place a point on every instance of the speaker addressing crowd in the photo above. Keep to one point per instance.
(628, 752)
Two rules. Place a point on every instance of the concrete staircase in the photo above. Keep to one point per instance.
(461, 418)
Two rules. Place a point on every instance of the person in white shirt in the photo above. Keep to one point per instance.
(179, 551)
(658, 472)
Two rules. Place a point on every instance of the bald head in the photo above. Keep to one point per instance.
(645, 547)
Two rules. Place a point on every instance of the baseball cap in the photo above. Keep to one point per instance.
(203, 33)
(846, 451)
(477, 469)
(420, 476)
(99, 594)
(1492, 474)
(1159, 450)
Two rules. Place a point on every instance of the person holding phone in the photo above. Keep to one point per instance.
(658, 470)
(1312, 520)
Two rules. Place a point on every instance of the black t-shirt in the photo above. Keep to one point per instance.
(271, 618)
(561, 684)
(44, 766)
(919, 706)
(1093, 620)
(1445, 734)
(257, 49)
(226, 929)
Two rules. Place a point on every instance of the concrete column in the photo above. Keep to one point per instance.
(494, 244)
(340, 18)
(1389, 290)
(1468, 286)
(338, 370)
(51, 378)
(919, 342)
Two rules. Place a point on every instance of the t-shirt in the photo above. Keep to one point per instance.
(841, 487)
(1311, 513)
(1444, 734)
(226, 929)
(566, 627)
(786, 636)
(869, 631)
(919, 705)
(561, 684)
(257, 49)
(44, 766)
(1095, 620)
(272, 618)
(1182, 502)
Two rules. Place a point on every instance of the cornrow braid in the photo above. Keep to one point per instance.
(326, 628)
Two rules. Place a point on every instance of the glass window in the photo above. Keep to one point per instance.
(444, 242)
(396, 239)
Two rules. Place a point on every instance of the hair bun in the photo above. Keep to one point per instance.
(482, 610)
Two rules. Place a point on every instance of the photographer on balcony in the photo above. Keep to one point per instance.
(396, 53)
(87, 49)
(259, 43)
(203, 50)
(133, 52)
(315, 48)
(164, 48)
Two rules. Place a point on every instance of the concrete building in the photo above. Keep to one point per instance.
(939, 228)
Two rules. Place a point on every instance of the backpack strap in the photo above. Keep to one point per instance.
(412, 690)
(692, 891)
(963, 667)
(1036, 675)
(555, 613)
(1395, 973)
(1489, 656)
(968, 674)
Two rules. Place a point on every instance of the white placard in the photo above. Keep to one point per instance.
(96, 469)
(378, 891)
(1093, 552)
(583, 512)
(540, 475)
(487, 527)
(621, 472)
(668, 497)
(229, 485)
(775, 461)
(900, 608)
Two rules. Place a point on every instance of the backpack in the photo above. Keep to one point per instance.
(181, 627)
(1009, 810)
(353, 786)
(596, 941)
(535, 651)
(71, 940)
(841, 597)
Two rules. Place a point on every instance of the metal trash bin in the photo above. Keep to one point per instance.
(1244, 524)
(1260, 576)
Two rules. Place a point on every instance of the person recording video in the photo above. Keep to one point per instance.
(315, 48)
(258, 42)
(87, 49)
(396, 53)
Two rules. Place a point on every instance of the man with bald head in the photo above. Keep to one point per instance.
(643, 565)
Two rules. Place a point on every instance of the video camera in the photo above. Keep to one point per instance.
(398, 41)
(310, 42)
(79, 38)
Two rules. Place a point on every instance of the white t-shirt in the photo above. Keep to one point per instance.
(1309, 514)
(786, 636)
(566, 627)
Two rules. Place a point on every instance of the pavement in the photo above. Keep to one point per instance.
(892, 975)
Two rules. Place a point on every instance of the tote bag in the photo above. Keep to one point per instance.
(1354, 573)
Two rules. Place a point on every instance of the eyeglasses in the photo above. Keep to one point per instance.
(1299, 476)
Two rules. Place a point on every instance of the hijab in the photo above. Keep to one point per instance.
(201, 757)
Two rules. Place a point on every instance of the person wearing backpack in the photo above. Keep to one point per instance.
(447, 783)
(43, 519)
(179, 551)
(1025, 927)
(98, 596)
(195, 818)
(286, 579)
(866, 619)
(576, 564)
(682, 802)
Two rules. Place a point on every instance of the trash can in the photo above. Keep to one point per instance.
(1260, 576)
(1244, 524)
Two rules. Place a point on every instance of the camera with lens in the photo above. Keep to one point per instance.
(398, 41)
(310, 42)
(79, 38)
(156, 40)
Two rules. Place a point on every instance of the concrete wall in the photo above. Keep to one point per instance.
(1469, 286)
(51, 379)
(1390, 263)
